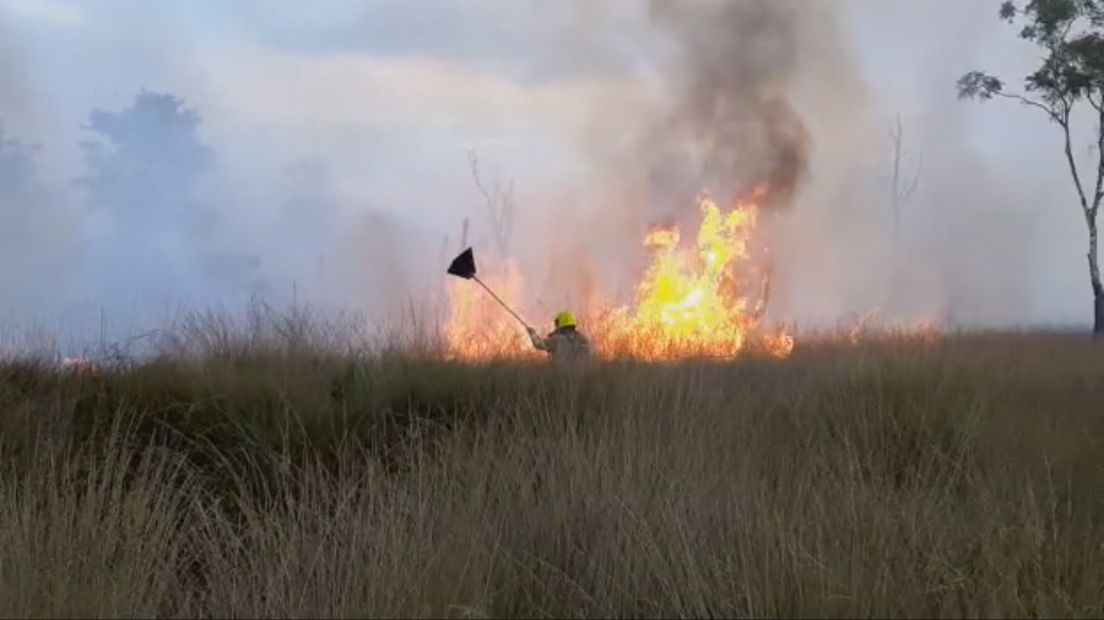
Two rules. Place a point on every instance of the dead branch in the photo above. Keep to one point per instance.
(500, 205)
(898, 195)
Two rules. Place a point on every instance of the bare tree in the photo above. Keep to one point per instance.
(1071, 34)
(898, 194)
(499, 200)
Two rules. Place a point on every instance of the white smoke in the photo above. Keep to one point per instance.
(340, 150)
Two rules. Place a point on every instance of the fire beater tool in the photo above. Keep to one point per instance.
(463, 266)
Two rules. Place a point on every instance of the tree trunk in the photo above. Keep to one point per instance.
(1098, 325)
(1094, 275)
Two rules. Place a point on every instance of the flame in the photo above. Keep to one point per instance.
(476, 327)
(694, 300)
(79, 365)
(859, 328)
(865, 329)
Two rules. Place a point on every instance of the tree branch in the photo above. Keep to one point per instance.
(916, 178)
(898, 194)
(1095, 103)
(499, 205)
(1091, 213)
(1065, 34)
(1031, 102)
(898, 156)
(1064, 122)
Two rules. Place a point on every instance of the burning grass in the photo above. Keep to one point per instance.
(270, 474)
(699, 298)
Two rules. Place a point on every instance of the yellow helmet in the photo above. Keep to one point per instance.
(565, 319)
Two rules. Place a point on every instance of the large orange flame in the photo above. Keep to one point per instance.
(476, 327)
(705, 300)
(698, 301)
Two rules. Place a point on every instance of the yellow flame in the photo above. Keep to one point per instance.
(690, 301)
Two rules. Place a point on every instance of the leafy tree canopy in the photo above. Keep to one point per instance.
(1072, 32)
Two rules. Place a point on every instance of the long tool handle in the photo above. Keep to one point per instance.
(508, 309)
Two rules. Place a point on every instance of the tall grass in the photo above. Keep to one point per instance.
(261, 470)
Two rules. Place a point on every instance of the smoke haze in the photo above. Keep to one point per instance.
(732, 125)
(217, 153)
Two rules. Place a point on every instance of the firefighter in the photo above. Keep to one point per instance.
(565, 342)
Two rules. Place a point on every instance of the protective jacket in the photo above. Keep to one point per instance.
(563, 343)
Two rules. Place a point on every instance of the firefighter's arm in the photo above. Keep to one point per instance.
(538, 342)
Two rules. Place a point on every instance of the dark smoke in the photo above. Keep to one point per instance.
(713, 107)
(732, 126)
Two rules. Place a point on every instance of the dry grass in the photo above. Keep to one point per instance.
(276, 477)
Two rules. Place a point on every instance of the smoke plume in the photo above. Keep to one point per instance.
(711, 107)
(731, 126)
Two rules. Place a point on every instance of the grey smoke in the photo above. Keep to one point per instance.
(148, 186)
(732, 124)
(244, 181)
(37, 249)
(719, 82)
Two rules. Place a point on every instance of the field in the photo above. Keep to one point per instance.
(276, 474)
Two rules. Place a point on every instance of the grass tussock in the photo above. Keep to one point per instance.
(281, 472)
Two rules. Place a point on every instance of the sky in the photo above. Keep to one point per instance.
(339, 135)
